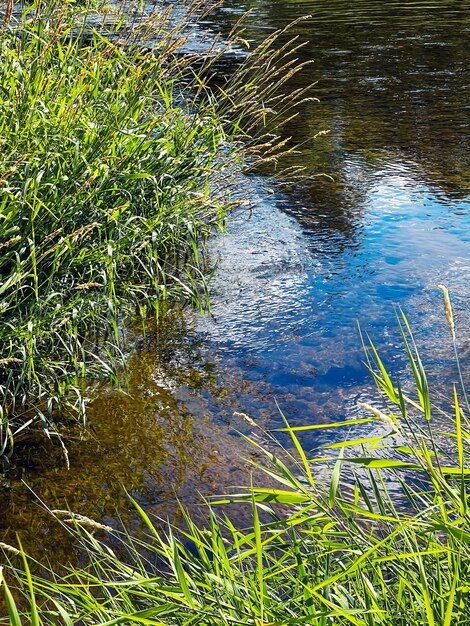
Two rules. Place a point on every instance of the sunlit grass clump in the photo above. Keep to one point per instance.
(116, 162)
(383, 537)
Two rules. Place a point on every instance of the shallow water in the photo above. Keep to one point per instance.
(295, 274)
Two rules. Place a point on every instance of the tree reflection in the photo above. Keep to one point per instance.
(391, 80)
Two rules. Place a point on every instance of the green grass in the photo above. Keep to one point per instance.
(383, 537)
(117, 160)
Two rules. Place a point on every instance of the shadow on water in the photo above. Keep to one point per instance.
(296, 273)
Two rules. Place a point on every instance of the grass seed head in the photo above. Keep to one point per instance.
(245, 417)
(380, 415)
(448, 307)
(81, 520)
(8, 548)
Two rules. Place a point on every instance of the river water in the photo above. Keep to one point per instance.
(295, 274)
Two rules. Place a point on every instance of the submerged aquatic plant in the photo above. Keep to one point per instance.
(117, 158)
(389, 545)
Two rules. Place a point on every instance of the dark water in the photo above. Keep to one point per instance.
(295, 274)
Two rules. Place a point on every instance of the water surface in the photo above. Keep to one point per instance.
(295, 274)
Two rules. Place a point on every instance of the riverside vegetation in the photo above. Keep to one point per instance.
(117, 161)
(389, 545)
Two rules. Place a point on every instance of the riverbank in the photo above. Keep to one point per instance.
(118, 162)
